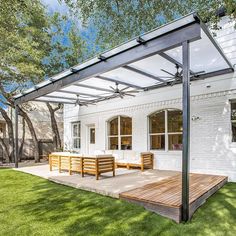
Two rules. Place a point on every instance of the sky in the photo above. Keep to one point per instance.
(53, 6)
(88, 33)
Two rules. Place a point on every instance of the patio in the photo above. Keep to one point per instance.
(139, 66)
(156, 190)
(107, 185)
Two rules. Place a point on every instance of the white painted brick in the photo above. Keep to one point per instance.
(211, 149)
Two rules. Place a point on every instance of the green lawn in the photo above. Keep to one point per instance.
(33, 206)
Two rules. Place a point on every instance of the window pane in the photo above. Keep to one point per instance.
(113, 127)
(75, 130)
(233, 131)
(157, 123)
(126, 143)
(157, 142)
(92, 135)
(233, 111)
(76, 143)
(113, 143)
(125, 125)
(175, 121)
(233, 120)
(79, 127)
(175, 141)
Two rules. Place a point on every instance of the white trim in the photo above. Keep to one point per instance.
(119, 136)
(166, 134)
(78, 123)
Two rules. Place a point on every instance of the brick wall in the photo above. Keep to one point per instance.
(211, 148)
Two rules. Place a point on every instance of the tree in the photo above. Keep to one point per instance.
(29, 47)
(24, 42)
(55, 130)
(118, 20)
(64, 54)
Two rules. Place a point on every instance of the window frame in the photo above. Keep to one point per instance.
(232, 101)
(166, 133)
(119, 136)
(92, 135)
(78, 123)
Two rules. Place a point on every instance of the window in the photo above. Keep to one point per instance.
(76, 135)
(233, 120)
(165, 130)
(120, 133)
(92, 135)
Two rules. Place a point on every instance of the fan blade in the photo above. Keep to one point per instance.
(124, 88)
(133, 91)
(167, 72)
(112, 88)
(120, 94)
(131, 95)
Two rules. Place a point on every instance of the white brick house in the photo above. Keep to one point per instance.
(212, 149)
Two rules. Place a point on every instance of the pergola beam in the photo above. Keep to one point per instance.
(93, 87)
(57, 97)
(16, 137)
(186, 131)
(155, 45)
(119, 82)
(79, 93)
(173, 61)
(56, 102)
(144, 73)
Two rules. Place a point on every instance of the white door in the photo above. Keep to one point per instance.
(91, 139)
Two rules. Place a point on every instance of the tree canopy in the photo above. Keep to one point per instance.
(34, 44)
(118, 20)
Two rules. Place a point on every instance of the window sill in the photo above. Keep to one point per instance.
(232, 145)
(176, 153)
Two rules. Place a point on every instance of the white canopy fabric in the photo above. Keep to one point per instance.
(151, 72)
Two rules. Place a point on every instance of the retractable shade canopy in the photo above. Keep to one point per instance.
(150, 61)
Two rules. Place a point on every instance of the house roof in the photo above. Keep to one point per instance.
(147, 62)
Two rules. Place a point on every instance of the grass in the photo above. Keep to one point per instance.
(30, 205)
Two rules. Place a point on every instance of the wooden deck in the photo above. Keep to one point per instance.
(164, 197)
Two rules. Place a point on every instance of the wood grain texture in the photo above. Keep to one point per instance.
(164, 196)
(84, 165)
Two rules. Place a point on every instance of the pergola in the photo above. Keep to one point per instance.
(140, 64)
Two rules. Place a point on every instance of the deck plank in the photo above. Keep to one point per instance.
(167, 192)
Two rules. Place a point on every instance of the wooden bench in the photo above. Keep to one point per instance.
(65, 162)
(146, 162)
(98, 165)
(95, 165)
(54, 161)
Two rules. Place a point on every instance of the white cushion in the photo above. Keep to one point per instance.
(104, 155)
(99, 152)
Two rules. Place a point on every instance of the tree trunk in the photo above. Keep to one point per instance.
(5, 149)
(55, 131)
(32, 132)
(10, 134)
(22, 140)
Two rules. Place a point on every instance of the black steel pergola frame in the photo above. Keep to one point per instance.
(181, 36)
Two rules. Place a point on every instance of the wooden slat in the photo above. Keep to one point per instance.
(89, 165)
(168, 191)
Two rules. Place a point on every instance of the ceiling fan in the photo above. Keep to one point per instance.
(178, 76)
(78, 102)
(122, 92)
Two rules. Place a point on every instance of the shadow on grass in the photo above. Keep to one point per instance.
(67, 211)
(85, 213)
